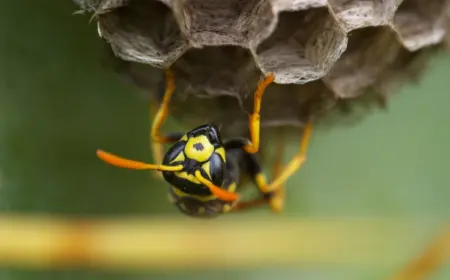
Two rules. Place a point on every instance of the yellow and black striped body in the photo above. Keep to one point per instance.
(202, 206)
(202, 149)
(205, 173)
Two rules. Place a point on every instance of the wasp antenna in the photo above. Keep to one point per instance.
(217, 191)
(131, 164)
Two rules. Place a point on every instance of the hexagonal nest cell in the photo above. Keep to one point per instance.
(293, 105)
(143, 31)
(407, 67)
(88, 5)
(421, 23)
(370, 50)
(226, 22)
(302, 48)
(330, 57)
(296, 5)
(217, 71)
(141, 75)
(354, 14)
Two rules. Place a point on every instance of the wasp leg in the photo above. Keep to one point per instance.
(254, 169)
(158, 120)
(277, 197)
(275, 190)
(254, 121)
(295, 163)
(244, 205)
(434, 256)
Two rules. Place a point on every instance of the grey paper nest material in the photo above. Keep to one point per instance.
(326, 55)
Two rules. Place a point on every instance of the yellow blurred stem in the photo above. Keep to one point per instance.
(435, 255)
(167, 243)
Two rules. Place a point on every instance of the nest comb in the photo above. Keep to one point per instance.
(327, 56)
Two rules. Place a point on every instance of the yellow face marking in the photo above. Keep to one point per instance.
(198, 197)
(179, 157)
(184, 138)
(221, 152)
(199, 148)
(207, 168)
(186, 176)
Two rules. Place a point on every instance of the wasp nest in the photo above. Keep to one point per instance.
(326, 55)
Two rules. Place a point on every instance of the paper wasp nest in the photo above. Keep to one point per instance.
(327, 56)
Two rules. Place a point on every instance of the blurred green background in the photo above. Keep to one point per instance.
(58, 105)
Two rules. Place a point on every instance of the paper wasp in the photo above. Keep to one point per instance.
(204, 171)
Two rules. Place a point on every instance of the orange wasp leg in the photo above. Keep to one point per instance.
(275, 199)
(158, 120)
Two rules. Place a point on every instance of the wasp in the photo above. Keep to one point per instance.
(204, 171)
